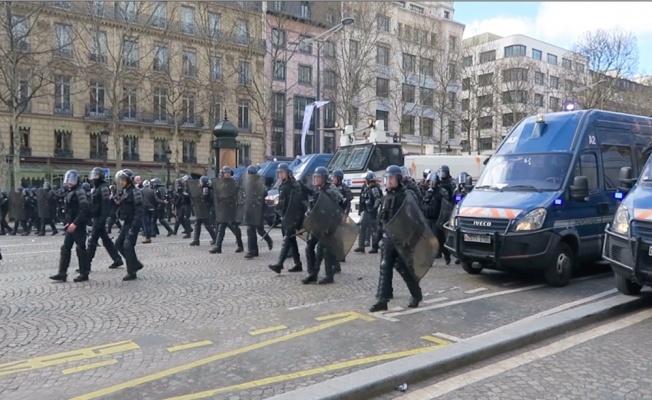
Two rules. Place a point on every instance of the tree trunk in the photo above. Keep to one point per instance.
(175, 140)
(117, 141)
(16, 140)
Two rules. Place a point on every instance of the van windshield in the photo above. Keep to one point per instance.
(525, 172)
(351, 158)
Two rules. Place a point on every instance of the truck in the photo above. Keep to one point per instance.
(544, 198)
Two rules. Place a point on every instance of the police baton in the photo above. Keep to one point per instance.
(267, 233)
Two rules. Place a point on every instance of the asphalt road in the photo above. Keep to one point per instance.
(197, 325)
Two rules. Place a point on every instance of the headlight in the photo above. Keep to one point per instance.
(533, 220)
(452, 221)
(621, 221)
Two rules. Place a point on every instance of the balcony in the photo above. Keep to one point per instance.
(157, 118)
(278, 122)
(131, 156)
(190, 159)
(25, 151)
(192, 122)
(61, 4)
(63, 153)
(160, 158)
(96, 111)
(131, 63)
(63, 109)
(129, 114)
(98, 58)
(245, 128)
(98, 155)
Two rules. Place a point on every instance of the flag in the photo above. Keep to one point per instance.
(307, 116)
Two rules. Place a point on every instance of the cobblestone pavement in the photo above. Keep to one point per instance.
(196, 322)
(611, 366)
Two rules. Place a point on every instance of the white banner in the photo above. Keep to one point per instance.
(307, 116)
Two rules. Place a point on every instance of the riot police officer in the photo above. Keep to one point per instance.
(131, 214)
(229, 222)
(424, 184)
(205, 199)
(446, 181)
(396, 194)
(150, 204)
(434, 202)
(183, 206)
(254, 192)
(410, 185)
(4, 210)
(161, 212)
(75, 227)
(370, 199)
(113, 213)
(337, 179)
(47, 205)
(100, 209)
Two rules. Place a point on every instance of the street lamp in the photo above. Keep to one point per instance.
(168, 153)
(320, 39)
(104, 137)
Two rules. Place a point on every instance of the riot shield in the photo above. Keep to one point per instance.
(295, 210)
(42, 203)
(414, 241)
(16, 206)
(196, 193)
(225, 195)
(447, 208)
(253, 187)
(328, 223)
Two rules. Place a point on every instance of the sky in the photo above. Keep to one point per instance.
(561, 22)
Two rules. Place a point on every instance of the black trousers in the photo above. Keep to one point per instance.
(4, 226)
(368, 225)
(126, 245)
(389, 261)
(113, 220)
(47, 221)
(315, 253)
(234, 228)
(207, 224)
(78, 238)
(252, 238)
(98, 231)
(289, 243)
(183, 219)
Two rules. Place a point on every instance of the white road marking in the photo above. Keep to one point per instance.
(448, 337)
(478, 290)
(435, 300)
(494, 369)
(153, 244)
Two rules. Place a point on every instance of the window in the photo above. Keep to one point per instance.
(486, 101)
(451, 129)
(20, 32)
(427, 67)
(552, 59)
(188, 19)
(278, 108)
(485, 79)
(353, 49)
(447, 14)
(568, 85)
(537, 54)
(554, 103)
(515, 75)
(407, 125)
(487, 56)
(452, 71)
(63, 40)
(485, 144)
(189, 59)
(216, 110)
(566, 63)
(97, 8)
(62, 144)
(305, 45)
(466, 84)
(278, 37)
(510, 119)
(613, 158)
(452, 43)
(279, 70)
(129, 102)
(98, 47)
(329, 115)
(465, 104)
(216, 67)
(427, 126)
(382, 55)
(161, 61)
(538, 100)
(382, 22)
(130, 54)
(243, 73)
(486, 122)
(130, 148)
(160, 104)
(278, 6)
(538, 78)
(126, 10)
(305, 9)
(554, 82)
(244, 154)
(62, 104)
(188, 111)
(587, 166)
(515, 97)
(452, 99)
(383, 116)
(407, 93)
(189, 152)
(579, 67)
(516, 50)
(409, 62)
(96, 98)
(329, 79)
(305, 75)
(160, 145)
(329, 49)
(426, 96)
(278, 141)
(214, 25)
(382, 87)
(97, 147)
(160, 14)
(416, 9)
(243, 114)
(353, 116)
(467, 61)
(242, 31)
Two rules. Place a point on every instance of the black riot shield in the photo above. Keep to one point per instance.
(225, 192)
(42, 203)
(328, 223)
(295, 210)
(447, 208)
(414, 241)
(199, 206)
(253, 187)
(16, 206)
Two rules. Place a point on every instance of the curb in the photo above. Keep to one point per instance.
(384, 378)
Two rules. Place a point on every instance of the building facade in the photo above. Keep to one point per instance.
(156, 76)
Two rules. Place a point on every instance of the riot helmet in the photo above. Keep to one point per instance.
(283, 172)
(124, 178)
(185, 178)
(146, 183)
(444, 172)
(393, 177)
(252, 170)
(71, 178)
(337, 176)
(426, 173)
(32, 191)
(320, 176)
(405, 172)
(204, 181)
(112, 188)
(156, 182)
(46, 186)
(96, 174)
(433, 179)
(462, 178)
(370, 177)
(226, 172)
(86, 186)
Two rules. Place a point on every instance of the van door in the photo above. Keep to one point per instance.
(616, 151)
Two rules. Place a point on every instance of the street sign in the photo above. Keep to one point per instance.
(107, 173)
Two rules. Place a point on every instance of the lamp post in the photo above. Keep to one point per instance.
(104, 137)
(168, 153)
(320, 39)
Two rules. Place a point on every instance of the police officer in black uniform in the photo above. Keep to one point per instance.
(77, 211)
(234, 227)
(337, 183)
(395, 195)
(431, 208)
(254, 230)
(131, 214)
(207, 198)
(160, 213)
(370, 199)
(52, 210)
(113, 213)
(100, 209)
(288, 190)
(182, 205)
(446, 180)
(4, 210)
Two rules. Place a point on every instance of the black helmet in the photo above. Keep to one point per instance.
(156, 182)
(204, 181)
(252, 170)
(394, 170)
(405, 171)
(444, 172)
(433, 179)
(370, 176)
(321, 172)
(46, 186)
(97, 173)
(86, 186)
(185, 178)
(71, 176)
(283, 167)
(226, 171)
(125, 174)
(33, 191)
(338, 174)
(461, 178)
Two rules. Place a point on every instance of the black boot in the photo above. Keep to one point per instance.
(116, 264)
(249, 256)
(238, 239)
(195, 236)
(276, 268)
(309, 279)
(64, 262)
(381, 305)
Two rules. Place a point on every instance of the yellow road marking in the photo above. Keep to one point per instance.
(309, 372)
(89, 366)
(66, 357)
(268, 330)
(346, 314)
(189, 345)
(207, 360)
(434, 339)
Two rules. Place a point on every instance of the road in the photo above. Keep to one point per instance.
(196, 325)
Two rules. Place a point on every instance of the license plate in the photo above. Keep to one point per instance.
(477, 238)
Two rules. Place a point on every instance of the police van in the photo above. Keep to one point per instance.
(546, 195)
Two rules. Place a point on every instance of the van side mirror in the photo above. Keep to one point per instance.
(579, 190)
(625, 179)
(469, 182)
(486, 160)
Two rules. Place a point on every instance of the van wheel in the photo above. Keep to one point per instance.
(470, 269)
(627, 286)
(561, 270)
